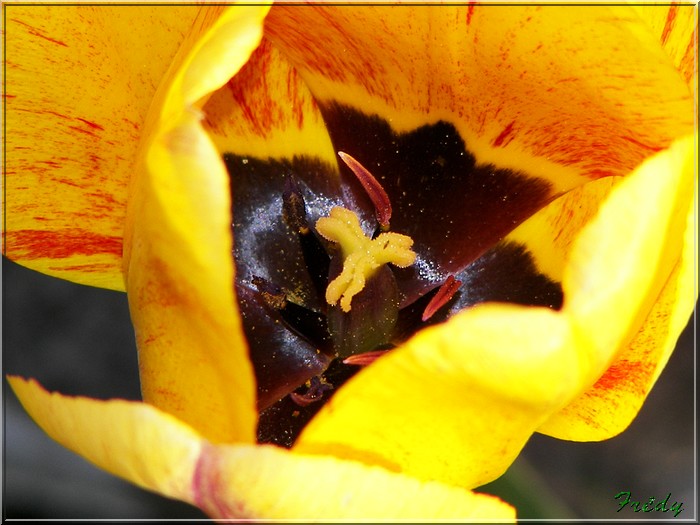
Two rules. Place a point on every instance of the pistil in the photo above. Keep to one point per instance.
(362, 255)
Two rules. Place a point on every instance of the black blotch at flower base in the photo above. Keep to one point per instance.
(456, 212)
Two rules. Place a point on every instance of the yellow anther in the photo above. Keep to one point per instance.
(362, 256)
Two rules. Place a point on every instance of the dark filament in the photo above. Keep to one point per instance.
(317, 386)
(331, 331)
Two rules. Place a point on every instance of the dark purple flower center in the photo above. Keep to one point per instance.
(456, 212)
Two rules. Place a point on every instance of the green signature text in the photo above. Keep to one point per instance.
(625, 498)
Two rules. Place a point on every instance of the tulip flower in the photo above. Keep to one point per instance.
(377, 246)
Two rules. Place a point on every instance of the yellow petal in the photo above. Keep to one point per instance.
(132, 440)
(559, 92)
(630, 289)
(157, 452)
(193, 357)
(268, 482)
(458, 401)
(610, 405)
(521, 365)
(549, 234)
(266, 111)
(675, 26)
(218, 44)
(77, 93)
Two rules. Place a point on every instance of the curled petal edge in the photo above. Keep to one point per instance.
(447, 377)
(146, 446)
(632, 304)
(179, 276)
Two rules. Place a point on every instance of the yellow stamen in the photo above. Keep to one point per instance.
(362, 256)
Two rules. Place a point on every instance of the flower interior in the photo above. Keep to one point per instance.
(337, 264)
(389, 167)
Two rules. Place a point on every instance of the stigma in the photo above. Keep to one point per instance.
(362, 256)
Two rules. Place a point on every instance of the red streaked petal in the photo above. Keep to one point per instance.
(77, 93)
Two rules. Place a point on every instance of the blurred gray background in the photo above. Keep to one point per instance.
(79, 340)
